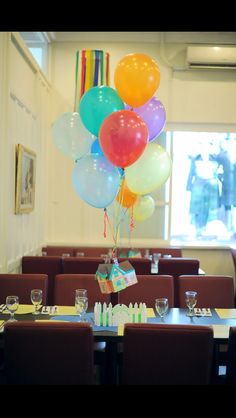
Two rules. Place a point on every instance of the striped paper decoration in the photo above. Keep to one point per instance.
(92, 69)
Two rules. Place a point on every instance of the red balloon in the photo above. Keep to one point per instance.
(123, 137)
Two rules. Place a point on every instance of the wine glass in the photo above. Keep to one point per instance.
(36, 296)
(12, 303)
(81, 302)
(161, 305)
(191, 301)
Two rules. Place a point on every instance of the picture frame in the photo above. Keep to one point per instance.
(25, 179)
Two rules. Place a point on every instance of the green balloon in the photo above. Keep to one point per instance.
(96, 104)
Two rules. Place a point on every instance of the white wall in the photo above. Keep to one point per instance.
(25, 119)
(196, 98)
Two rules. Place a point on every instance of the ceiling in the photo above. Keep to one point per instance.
(152, 37)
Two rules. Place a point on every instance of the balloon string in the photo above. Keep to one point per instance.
(132, 225)
(107, 220)
(105, 223)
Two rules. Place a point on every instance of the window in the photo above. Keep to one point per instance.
(197, 205)
(203, 187)
(37, 45)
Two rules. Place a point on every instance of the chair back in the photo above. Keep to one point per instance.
(48, 353)
(66, 284)
(173, 251)
(21, 285)
(212, 291)
(56, 250)
(81, 265)
(140, 265)
(159, 354)
(176, 267)
(233, 253)
(91, 251)
(148, 288)
(231, 358)
(50, 265)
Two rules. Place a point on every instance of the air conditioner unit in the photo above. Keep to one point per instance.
(211, 57)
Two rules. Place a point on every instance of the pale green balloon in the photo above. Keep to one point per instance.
(70, 135)
(150, 171)
(144, 208)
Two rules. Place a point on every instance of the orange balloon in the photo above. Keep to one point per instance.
(137, 77)
(125, 197)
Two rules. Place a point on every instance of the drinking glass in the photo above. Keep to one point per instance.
(81, 302)
(156, 258)
(12, 303)
(191, 301)
(161, 305)
(36, 296)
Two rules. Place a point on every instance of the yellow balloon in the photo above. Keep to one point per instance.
(150, 171)
(137, 77)
(144, 208)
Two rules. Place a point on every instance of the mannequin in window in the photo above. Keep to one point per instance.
(203, 184)
(227, 160)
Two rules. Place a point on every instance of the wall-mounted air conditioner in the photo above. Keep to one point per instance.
(211, 57)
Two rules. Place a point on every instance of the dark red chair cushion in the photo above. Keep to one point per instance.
(148, 288)
(49, 265)
(21, 285)
(159, 354)
(48, 353)
(212, 291)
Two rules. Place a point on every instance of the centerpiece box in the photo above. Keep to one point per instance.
(115, 277)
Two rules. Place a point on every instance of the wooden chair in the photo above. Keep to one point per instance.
(48, 353)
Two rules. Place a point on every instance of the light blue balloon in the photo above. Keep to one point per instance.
(95, 148)
(96, 104)
(96, 180)
(70, 135)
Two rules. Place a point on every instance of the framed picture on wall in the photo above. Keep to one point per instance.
(25, 179)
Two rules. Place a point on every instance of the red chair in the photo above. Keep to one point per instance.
(173, 251)
(49, 265)
(233, 253)
(92, 251)
(21, 285)
(212, 291)
(48, 353)
(140, 265)
(148, 288)
(176, 267)
(159, 354)
(66, 284)
(57, 250)
(231, 360)
(81, 265)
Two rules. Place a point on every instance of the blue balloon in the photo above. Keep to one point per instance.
(96, 104)
(95, 148)
(122, 172)
(96, 180)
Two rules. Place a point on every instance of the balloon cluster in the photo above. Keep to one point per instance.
(111, 139)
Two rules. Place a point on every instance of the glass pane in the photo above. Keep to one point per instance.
(204, 187)
(38, 55)
(153, 227)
